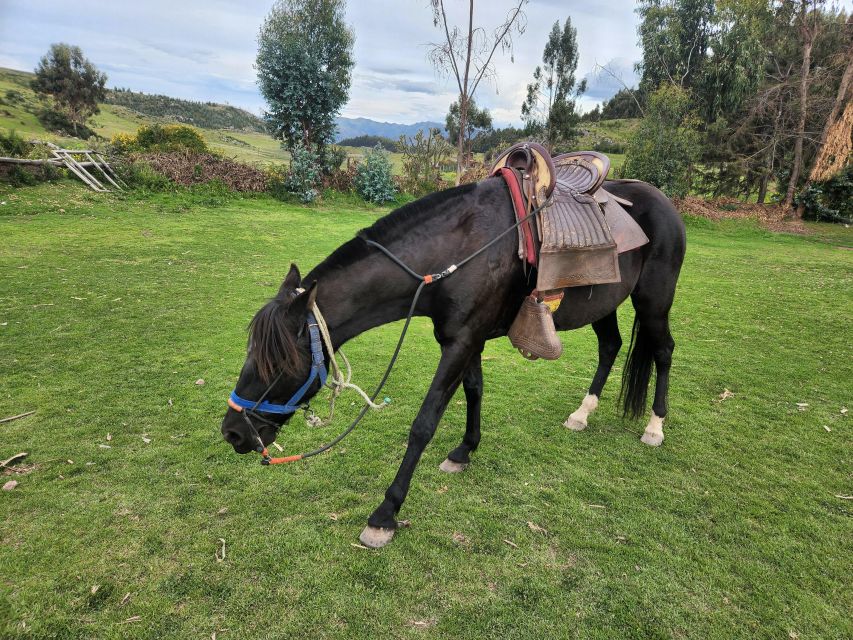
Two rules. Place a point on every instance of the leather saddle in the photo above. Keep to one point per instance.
(579, 234)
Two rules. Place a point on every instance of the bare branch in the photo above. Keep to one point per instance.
(624, 86)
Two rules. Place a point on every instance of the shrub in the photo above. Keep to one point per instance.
(373, 179)
(141, 175)
(331, 159)
(342, 179)
(13, 145)
(304, 175)
(124, 143)
(57, 121)
(831, 201)
(606, 145)
(665, 146)
(423, 157)
(476, 172)
(170, 137)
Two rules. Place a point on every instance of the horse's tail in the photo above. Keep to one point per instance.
(638, 371)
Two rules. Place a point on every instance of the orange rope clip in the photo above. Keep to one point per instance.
(428, 278)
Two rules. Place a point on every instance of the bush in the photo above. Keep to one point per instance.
(423, 157)
(831, 201)
(14, 146)
(331, 159)
(665, 146)
(171, 137)
(342, 179)
(54, 120)
(476, 172)
(304, 175)
(606, 145)
(124, 143)
(373, 179)
(141, 175)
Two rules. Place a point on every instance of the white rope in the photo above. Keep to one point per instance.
(336, 380)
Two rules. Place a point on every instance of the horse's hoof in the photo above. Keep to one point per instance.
(652, 439)
(448, 466)
(376, 537)
(574, 425)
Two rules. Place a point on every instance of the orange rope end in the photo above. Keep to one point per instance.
(428, 278)
(286, 459)
(234, 405)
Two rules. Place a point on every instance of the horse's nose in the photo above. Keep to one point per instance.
(234, 438)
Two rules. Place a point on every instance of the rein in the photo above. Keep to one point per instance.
(250, 409)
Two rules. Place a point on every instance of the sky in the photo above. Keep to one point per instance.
(205, 49)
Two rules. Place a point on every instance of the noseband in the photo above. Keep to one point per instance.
(252, 409)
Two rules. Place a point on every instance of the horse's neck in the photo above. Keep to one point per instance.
(359, 287)
(366, 293)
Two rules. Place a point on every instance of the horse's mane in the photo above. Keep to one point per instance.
(271, 344)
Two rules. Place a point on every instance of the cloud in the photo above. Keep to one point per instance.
(605, 81)
(205, 49)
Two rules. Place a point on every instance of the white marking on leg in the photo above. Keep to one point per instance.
(577, 421)
(653, 435)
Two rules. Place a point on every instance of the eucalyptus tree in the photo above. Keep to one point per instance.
(304, 66)
(550, 106)
(74, 83)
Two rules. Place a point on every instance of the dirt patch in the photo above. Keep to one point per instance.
(770, 216)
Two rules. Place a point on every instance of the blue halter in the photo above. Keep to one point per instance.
(318, 370)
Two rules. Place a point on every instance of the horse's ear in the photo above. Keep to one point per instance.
(298, 309)
(291, 282)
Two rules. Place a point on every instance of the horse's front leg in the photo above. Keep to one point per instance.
(472, 382)
(455, 356)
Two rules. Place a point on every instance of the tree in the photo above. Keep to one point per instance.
(622, 105)
(675, 36)
(808, 24)
(468, 56)
(550, 107)
(74, 83)
(479, 122)
(304, 66)
(665, 146)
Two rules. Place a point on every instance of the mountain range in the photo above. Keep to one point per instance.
(353, 127)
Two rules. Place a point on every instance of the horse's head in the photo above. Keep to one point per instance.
(282, 369)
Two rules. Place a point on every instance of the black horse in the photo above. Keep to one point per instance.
(358, 287)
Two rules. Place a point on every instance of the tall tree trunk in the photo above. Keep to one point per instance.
(460, 139)
(808, 39)
(464, 98)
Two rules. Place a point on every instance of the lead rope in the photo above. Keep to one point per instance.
(424, 280)
(337, 382)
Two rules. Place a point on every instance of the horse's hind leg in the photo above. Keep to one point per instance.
(662, 348)
(609, 343)
(472, 383)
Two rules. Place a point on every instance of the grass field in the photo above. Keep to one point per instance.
(112, 307)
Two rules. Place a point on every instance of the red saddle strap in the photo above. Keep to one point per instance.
(511, 178)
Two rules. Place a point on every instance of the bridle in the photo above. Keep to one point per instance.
(251, 410)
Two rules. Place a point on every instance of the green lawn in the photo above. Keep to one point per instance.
(111, 307)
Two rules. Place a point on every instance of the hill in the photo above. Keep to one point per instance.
(205, 115)
(237, 136)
